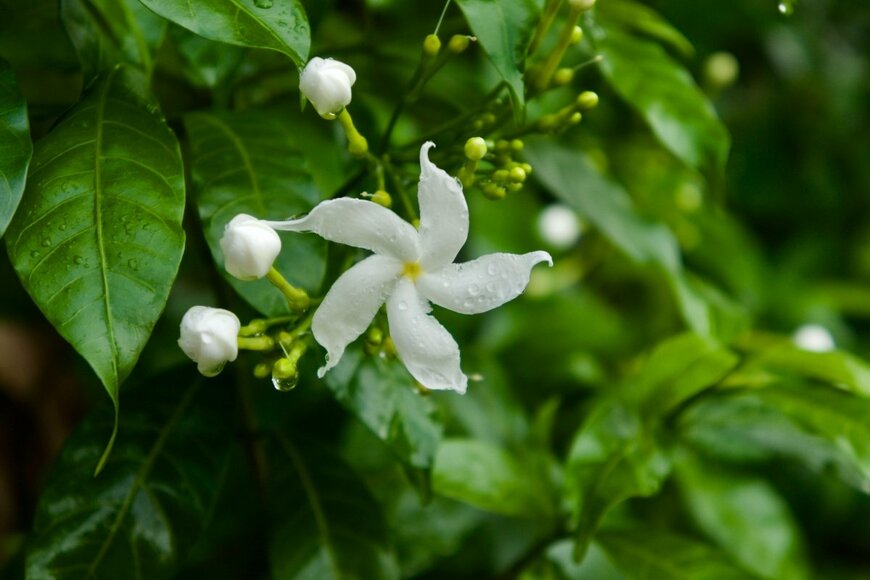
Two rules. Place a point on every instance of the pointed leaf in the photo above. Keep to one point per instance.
(504, 29)
(280, 25)
(383, 397)
(106, 32)
(250, 163)
(665, 94)
(326, 524)
(15, 145)
(745, 516)
(98, 239)
(492, 479)
(654, 555)
(145, 511)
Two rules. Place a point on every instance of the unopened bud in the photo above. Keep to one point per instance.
(458, 43)
(488, 119)
(262, 370)
(431, 45)
(563, 76)
(209, 336)
(517, 145)
(283, 369)
(581, 5)
(327, 84)
(475, 148)
(382, 198)
(587, 100)
(501, 175)
(576, 35)
(494, 192)
(721, 69)
(249, 247)
(527, 168)
(575, 118)
(517, 174)
(514, 187)
(375, 336)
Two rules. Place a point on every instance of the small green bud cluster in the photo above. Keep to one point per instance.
(508, 175)
(475, 150)
(569, 115)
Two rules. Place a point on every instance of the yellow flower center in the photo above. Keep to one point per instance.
(412, 270)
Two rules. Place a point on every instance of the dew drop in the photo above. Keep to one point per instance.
(285, 385)
(66, 186)
(403, 305)
(264, 4)
(490, 270)
(133, 263)
(785, 8)
(46, 242)
(490, 287)
(474, 290)
(62, 227)
(34, 254)
(78, 260)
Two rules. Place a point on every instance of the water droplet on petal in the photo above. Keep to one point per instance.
(474, 290)
(403, 305)
(490, 270)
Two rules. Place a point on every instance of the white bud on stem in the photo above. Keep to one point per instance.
(209, 336)
(250, 247)
(327, 84)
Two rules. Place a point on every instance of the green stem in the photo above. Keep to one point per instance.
(403, 195)
(261, 343)
(356, 143)
(545, 74)
(544, 24)
(296, 297)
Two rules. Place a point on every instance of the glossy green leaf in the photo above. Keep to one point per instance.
(108, 32)
(205, 62)
(842, 419)
(614, 457)
(15, 145)
(643, 19)
(558, 563)
(678, 369)
(745, 516)
(273, 24)
(145, 511)
(326, 524)
(98, 239)
(504, 29)
(382, 395)
(839, 369)
(647, 554)
(573, 178)
(250, 163)
(492, 479)
(665, 94)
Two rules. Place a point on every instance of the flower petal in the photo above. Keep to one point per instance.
(443, 214)
(358, 223)
(424, 346)
(482, 284)
(351, 304)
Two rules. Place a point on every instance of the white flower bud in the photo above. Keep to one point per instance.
(250, 247)
(326, 83)
(559, 226)
(209, 336)
(814, 338)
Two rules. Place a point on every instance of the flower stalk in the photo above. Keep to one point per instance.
(356, 143)
(297, 298)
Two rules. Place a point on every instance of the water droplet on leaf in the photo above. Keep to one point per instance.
(264, 4)
(46, 242)
(78, 260)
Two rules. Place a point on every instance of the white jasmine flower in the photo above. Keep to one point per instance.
(250, 247)
(409, 270)
(814, 338)
(327, 84)
(209, 336)
(559, 226)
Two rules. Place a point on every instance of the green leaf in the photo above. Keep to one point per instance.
(643, 19)
(250, 163)
(492, 479)
(645, 554)
(326, 523)
(15, 145)
(614, 457)
(573, 178)
(204, 62)
(504, 29)
(839, 369)
(143, 514)
(558, 563)
(108, 32)
(665, 94)
(745, 516)
(98, 239)
(678, 369)
(383, 397)
(279, 25)
(842, 419)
